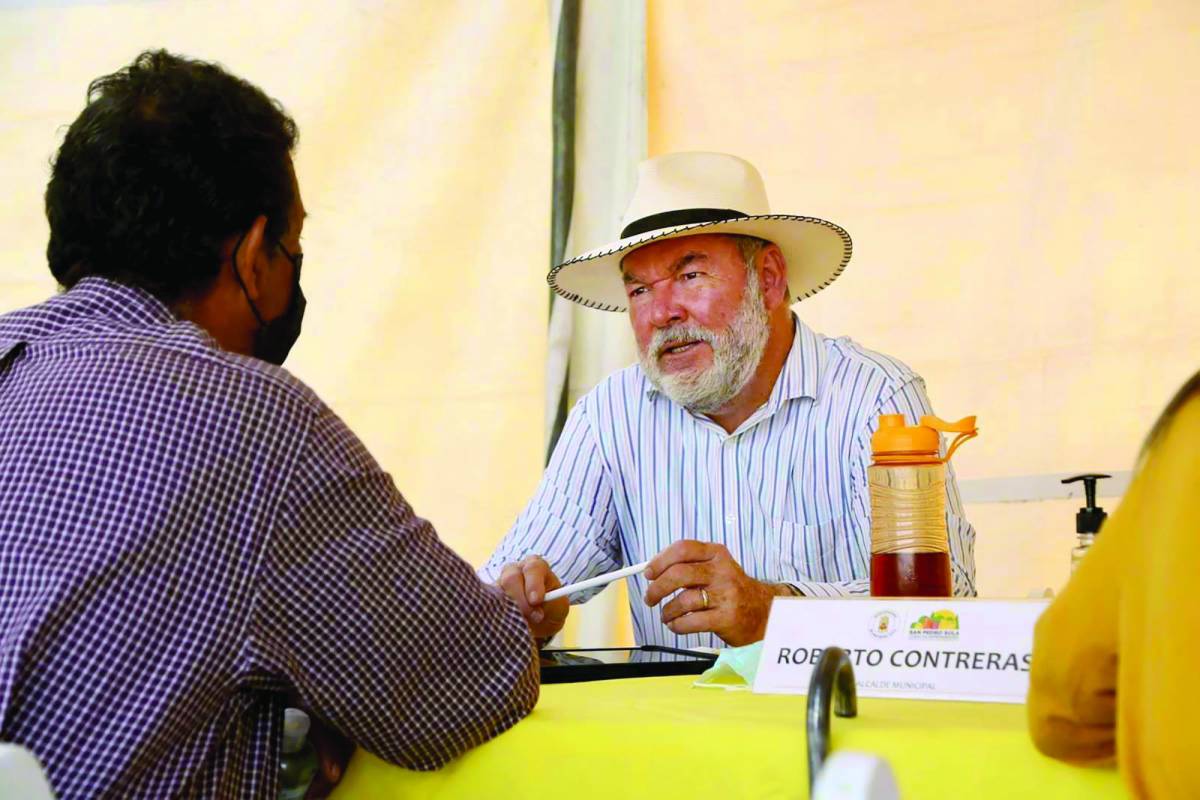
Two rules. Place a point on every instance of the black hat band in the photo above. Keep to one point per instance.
(684, 216)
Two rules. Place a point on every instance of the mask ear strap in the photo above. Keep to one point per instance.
(238, 275)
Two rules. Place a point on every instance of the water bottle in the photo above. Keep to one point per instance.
(910, 549)
(298, 764)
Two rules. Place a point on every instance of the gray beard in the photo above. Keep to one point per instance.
(737, 351)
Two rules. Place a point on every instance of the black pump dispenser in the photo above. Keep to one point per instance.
(1090, 517)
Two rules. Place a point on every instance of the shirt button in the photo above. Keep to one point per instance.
(730, 519)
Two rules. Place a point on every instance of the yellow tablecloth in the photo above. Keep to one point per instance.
(660, 738)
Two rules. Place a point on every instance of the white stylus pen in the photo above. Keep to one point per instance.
(599, 580)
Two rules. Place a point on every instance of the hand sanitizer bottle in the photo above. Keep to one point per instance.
(298, 764)
(1089, 518)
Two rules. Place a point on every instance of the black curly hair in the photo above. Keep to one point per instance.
(169, 158)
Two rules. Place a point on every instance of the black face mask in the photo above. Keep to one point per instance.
(274, 338)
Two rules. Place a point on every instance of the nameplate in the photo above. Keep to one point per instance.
(921, 649)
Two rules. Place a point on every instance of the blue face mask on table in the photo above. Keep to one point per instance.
(735, 668)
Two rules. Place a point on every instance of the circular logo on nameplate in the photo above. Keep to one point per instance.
(884, 624)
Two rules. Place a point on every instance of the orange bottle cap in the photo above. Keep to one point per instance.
(897, 443)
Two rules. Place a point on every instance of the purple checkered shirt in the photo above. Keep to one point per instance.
(187, 535)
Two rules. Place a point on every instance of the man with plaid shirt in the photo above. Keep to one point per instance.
(189, 537)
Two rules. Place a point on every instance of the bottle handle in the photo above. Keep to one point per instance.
(965, 428)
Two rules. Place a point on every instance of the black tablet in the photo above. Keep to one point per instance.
(606, 663)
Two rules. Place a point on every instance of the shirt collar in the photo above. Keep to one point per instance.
(109, 300)
(801, 373)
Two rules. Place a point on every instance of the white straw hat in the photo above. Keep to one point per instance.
(683, 194)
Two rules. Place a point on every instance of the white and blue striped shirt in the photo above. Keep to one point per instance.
(786, 492)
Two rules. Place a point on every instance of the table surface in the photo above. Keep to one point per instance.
(662, 738)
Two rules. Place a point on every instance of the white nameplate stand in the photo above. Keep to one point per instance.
(921, 649)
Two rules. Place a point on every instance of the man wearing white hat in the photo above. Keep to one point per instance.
(733, 457)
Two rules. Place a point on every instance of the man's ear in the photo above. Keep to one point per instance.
(772, 275)
(251, 257)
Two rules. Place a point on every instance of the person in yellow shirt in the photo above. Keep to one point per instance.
(1115, 657)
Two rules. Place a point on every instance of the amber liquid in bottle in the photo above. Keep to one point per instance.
(910, 575)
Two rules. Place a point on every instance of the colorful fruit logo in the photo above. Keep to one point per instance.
(937, 621)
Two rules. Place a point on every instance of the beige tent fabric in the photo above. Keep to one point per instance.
(424, 160)
(1022, 183)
